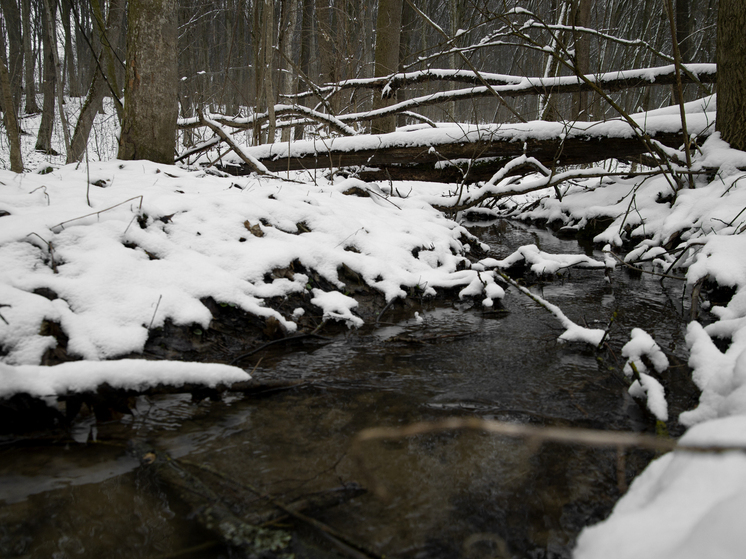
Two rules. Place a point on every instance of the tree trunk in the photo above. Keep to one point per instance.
(388, 35)
(456, 10)
(50, 30)
(581, 18)
(109, 34)
(73, 76)
(306, 28)
(269, 78)
(731, 61)
(151, 83)
(99, 88)
(547, 109)
(28, 52)
(9, 118)
(684, 30)
(44, 137)
(289, 21)
(408, 25)
(12, 17)
(259, 90)
(324, 34)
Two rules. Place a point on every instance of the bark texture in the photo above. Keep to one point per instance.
(151, 83)
(388, 35)
(9, 118)
(12, 17)
(731, 61)
(44, 136)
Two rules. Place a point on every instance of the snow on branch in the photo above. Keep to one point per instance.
(517, 86)
(280, 110)
(251, 162)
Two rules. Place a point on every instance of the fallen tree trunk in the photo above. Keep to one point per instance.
(467, 161)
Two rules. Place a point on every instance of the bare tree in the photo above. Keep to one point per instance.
(28, 54)
(12, 17)
(9, 118)
(44, 136)
(288, 23)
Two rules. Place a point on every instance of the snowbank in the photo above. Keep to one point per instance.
(682, 505)
(157, 240)
(134, 374)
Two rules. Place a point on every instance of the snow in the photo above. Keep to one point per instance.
(133, 374)
(641, 345)
(646, 386)
(682, 505)
(160, 239)
(337, 306)
(542, 263)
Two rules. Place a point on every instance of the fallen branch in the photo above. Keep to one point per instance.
(253, 164)
(506, 188)
(352, 548)
(641, 270)
(573, 332)
(506, 86)
(539, 435)
(248, 123)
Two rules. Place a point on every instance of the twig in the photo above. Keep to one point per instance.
(250, 162)
(467, 61)
(567, 324)
(538, 435)
(87, 178)
(680, 90)
(636, 269)
(100, 211)
(155, 311)
(50, 248)
(608, 329)
(378, 319)
(358, 549)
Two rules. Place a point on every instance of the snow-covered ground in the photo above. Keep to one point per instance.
(155, 240)
(111, 250)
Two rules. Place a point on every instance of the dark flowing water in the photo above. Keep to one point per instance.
(452, 494)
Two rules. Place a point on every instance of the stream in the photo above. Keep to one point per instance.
(437, 494)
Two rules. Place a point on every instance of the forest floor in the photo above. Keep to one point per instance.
(108, 260)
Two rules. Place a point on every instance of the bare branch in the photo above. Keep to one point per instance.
(537, 435)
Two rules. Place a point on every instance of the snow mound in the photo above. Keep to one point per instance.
(682, 505)
(134, 374)
(158, 240)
